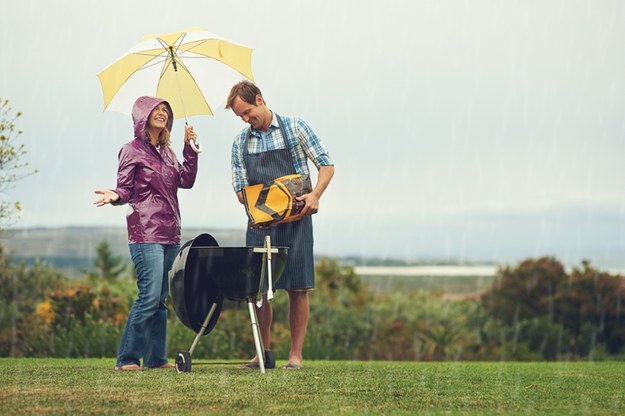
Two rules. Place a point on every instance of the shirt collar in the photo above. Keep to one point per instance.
(274, 123)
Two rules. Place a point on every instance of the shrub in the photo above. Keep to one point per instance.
(21, 290)
(558, 315)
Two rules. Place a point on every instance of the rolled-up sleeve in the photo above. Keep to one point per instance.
(311, 144)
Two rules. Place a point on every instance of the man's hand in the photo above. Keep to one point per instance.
(311, 204)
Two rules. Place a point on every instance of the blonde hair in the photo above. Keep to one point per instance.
(164, 138)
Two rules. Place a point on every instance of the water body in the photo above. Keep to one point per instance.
(433, 270)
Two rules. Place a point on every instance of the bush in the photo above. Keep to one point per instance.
(555, 314)
(549, 339)
(21, 290)
(532, 312)
(340, 320)
(74, 321)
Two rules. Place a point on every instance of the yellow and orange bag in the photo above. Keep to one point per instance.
(274, 203)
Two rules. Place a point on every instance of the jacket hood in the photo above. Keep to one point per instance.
(141, 111)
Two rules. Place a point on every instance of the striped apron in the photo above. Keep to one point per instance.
(264, 167)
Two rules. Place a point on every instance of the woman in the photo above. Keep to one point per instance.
(148, 178)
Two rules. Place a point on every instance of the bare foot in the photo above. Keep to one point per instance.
(129, 367)
(167, 365)
(253, 363)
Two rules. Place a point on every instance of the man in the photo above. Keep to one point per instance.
(274, 146)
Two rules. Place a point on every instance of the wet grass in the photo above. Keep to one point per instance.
(91, 386)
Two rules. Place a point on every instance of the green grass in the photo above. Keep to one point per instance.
(91, 386)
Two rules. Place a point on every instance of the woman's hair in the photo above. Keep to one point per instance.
(164, 137)
(246, 90)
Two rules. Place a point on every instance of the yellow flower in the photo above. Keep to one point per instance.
(45, 311)
(120, 318)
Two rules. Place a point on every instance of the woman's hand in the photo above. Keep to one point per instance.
(191, 138)
(107, 197)
(189, 134)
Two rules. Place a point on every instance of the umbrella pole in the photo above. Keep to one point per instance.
(196, 148)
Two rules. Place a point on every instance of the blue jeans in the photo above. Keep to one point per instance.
(146, 328)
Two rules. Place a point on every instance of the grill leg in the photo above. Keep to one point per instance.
(204, 325)
(260, 350)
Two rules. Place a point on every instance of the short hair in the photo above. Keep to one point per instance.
(246, 90)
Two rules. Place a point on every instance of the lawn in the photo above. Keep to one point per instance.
(91, 386)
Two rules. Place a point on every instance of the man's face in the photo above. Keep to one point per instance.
(254, 114)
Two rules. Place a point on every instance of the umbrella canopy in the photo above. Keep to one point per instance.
(193, 70)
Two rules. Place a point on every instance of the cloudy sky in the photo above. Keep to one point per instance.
(482, 129)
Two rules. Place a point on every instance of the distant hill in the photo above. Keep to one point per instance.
(73, 248)
(82, 241)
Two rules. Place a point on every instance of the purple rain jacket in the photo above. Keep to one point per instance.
(148, 180)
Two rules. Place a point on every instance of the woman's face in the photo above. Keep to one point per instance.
(158, 117)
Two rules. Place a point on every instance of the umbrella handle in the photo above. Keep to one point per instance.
(196, 147)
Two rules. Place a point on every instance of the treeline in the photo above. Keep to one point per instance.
(534, 310)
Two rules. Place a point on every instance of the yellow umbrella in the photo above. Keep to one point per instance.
(193, 70)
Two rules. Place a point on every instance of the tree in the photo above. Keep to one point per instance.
(524, 298)
(11, 164)
(590, 306)
(558, 314)
(108, 267)
(525, 291)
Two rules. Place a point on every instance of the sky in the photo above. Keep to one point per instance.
(479, 130)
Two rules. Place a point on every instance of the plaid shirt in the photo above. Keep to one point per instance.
(310, 147)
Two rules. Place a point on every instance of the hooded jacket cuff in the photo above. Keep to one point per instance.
(121, 200)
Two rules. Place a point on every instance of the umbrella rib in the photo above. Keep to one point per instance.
(198, 43)
(169, 49)
(201, 42)
(180, 43)
(147, 54)
(184, 67)
(153, 64)
(171, 60)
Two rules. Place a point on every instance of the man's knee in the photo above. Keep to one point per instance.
(298, 294)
